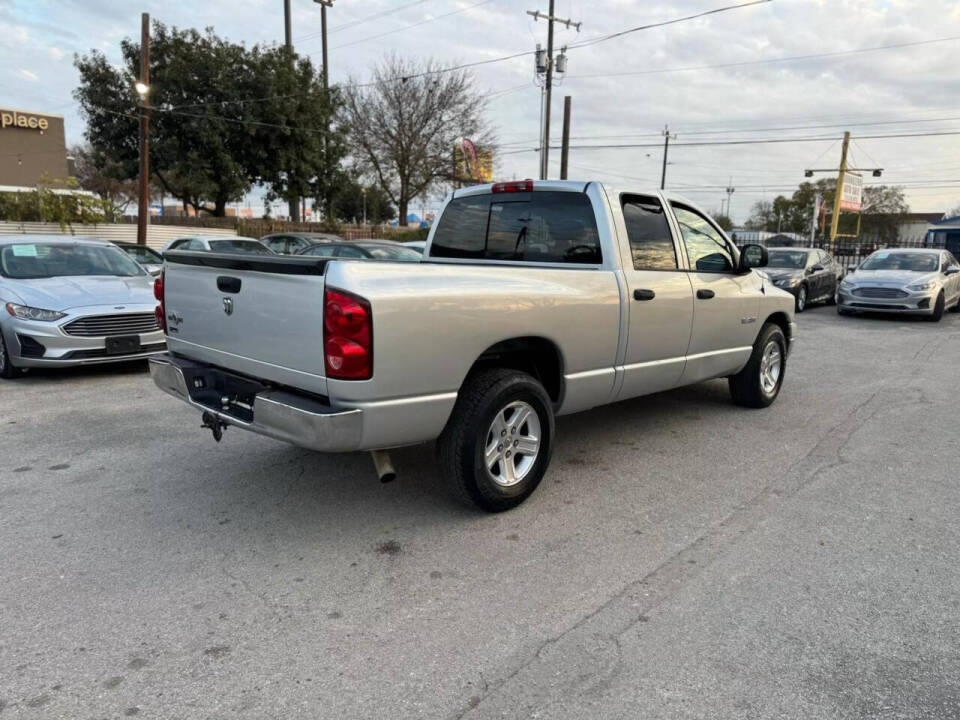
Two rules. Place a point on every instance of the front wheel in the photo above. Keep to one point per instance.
(496, 446)
(7, 369)
(801, 300)
(759, 383)
(937, 313)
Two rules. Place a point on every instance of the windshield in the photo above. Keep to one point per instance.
(792, 259)
(143, 254)
(911, 262)
(240, 246)
(389, 252)
(29, 261)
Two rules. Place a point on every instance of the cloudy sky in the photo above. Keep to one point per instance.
(743, 74)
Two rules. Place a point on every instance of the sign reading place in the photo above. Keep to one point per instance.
(12, 118)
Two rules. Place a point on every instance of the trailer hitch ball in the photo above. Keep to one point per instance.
(216, 425)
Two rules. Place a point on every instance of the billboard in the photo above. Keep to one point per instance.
(472, 165)
(851, 198)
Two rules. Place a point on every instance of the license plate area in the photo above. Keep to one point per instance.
(123, 345)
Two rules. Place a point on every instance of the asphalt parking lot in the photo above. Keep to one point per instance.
(684, 558)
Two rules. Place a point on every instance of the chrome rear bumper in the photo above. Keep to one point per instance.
(298, 419)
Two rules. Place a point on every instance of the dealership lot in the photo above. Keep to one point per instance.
(683, 558)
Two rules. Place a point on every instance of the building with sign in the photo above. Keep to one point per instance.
(33, 150)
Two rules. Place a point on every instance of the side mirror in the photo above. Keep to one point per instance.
(752, 256)
(816, 269)
(952, 270)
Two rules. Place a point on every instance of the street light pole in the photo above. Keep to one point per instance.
(143, 87)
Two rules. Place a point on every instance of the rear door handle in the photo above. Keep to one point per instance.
(228, 284)
(644, 294)
(705, 294)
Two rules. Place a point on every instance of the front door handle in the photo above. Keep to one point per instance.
(228, 284)
(705, 294)
(644, 294)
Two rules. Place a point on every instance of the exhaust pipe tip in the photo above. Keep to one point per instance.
(383, 465)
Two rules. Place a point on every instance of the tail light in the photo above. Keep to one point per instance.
(160, 312)
(514, 186)
(347, 336)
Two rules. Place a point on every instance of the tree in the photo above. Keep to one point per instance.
(722, 220)
(98, 174)
(402, 126)
(223, 117)
(348, 205)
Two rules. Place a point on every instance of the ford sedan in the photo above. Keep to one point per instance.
(72, 301)
(917, 281)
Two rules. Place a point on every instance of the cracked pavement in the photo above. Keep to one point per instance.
(683, 558)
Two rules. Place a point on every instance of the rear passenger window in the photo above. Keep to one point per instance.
(651, 243)
(548, 227)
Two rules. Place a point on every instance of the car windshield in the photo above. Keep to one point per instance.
(239, 246)
(391, 252)
(792, 259)
(911, 262)
(24, 261)
(143, 254)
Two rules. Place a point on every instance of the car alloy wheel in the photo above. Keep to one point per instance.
(771, 363)
(512, 443)
(802, 298)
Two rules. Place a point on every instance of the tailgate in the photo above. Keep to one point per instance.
(261, 316)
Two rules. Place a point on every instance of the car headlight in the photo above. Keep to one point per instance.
(847, 283)
(31, 313)
(922, 286)
(784, 282)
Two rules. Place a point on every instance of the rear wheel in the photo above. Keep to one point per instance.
(496, 446)
(956, 307)
(7, 369)
(801, 299)
(759, 383)
(937, 313)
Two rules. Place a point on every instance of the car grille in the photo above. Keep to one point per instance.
(103, 325)
(878, 292)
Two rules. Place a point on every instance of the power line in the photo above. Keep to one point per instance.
(418, 24)
(766, 61)
(612, 36)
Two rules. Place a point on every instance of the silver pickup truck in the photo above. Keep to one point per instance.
(534, 299)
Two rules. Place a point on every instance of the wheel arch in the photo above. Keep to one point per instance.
(781, 320)
(535, 355)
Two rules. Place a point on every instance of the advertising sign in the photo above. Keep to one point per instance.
(852, 197)
(471, 164)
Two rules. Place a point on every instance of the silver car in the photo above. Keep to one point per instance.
(917, 281)
(72, 301)
(213, 243)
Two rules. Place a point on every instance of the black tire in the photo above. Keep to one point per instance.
(832, 298)
(746, 387)
(843, 311)
(802, 298)
(937, 313)
(460, 448)
(7, 369)
(956, 307)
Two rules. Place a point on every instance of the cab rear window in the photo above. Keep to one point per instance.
(540, 227)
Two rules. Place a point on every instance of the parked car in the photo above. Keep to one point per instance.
(532, 300)
(147, 257)
(917, 281)
(72, 301)
(418, 245)
(367, 249)
(809, 274)
(295, 242)
(213, 243)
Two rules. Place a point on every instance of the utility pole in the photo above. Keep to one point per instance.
(143, 89)
(813, 219)
(565, 150)
(730, 191)
(287, 34)
(293, 202)
(666, 148)
(324, 4)
(548, 85)
(835, 220)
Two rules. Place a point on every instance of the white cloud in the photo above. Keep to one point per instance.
(28, 75)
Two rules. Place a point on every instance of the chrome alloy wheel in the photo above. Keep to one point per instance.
(512, 443)
(802, 298)
(771, 364)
